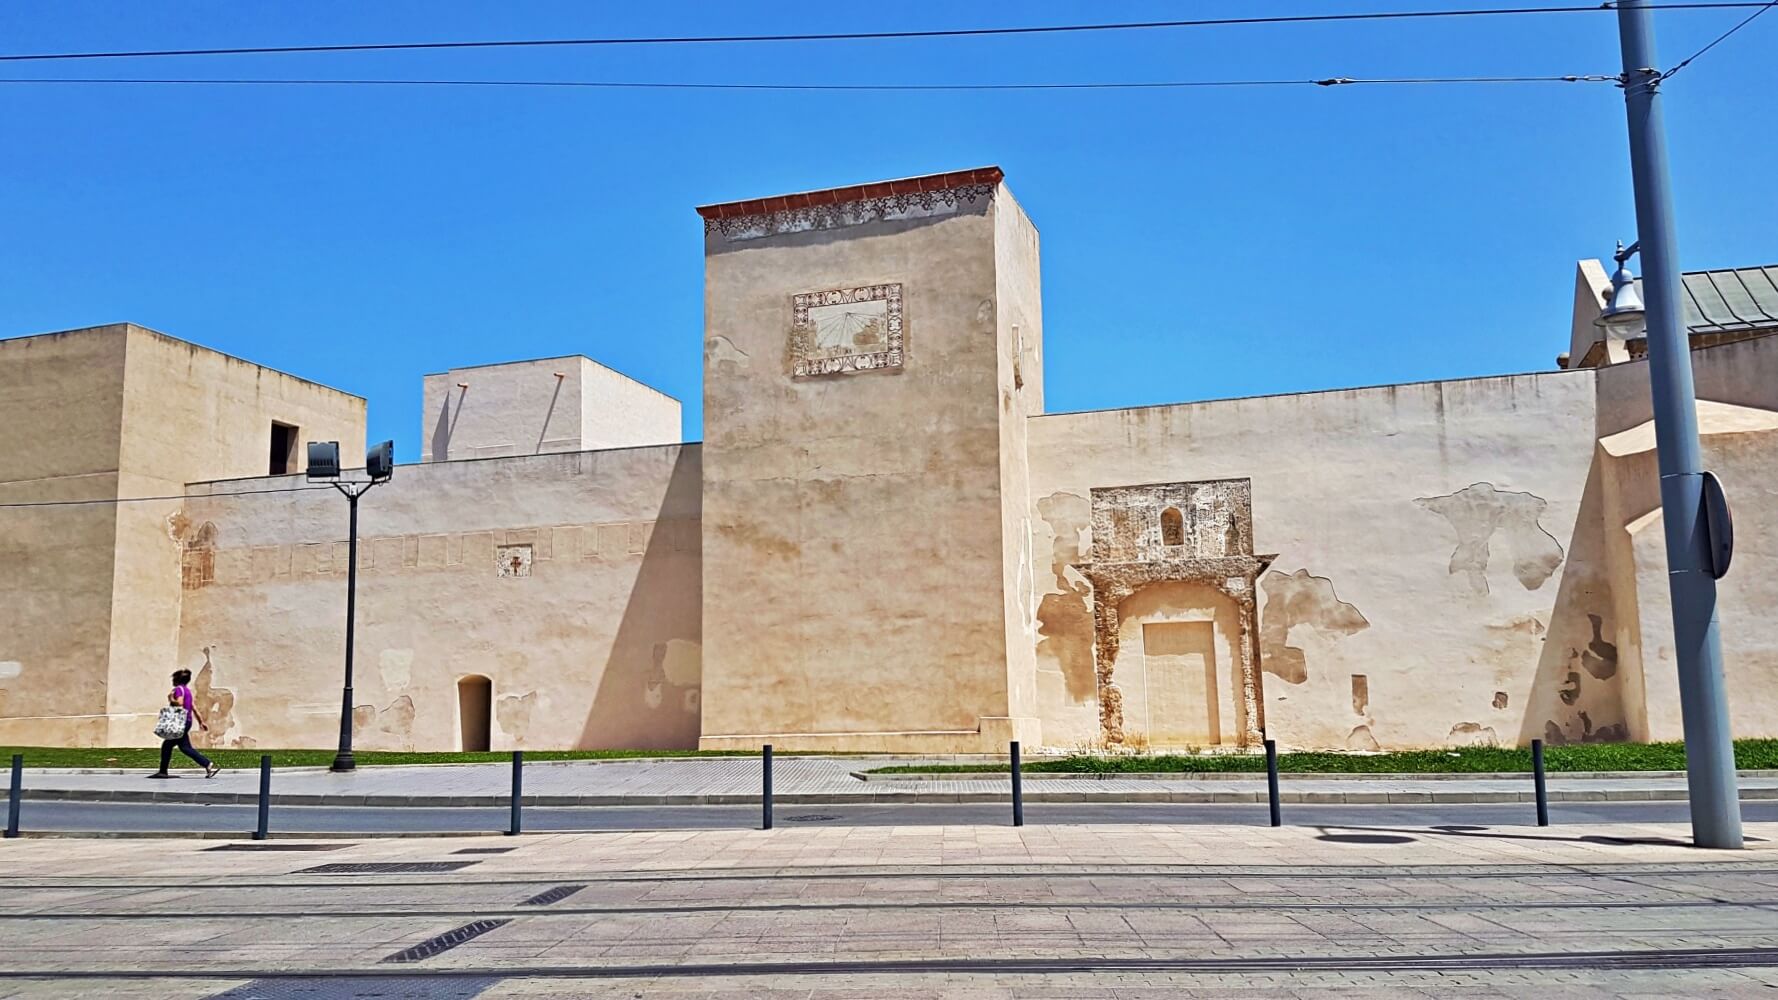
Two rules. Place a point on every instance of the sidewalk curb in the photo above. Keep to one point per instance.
(902, 797)
(1029, 775)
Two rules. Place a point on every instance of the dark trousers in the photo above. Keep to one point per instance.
(185, 747)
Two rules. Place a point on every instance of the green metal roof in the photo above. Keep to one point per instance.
(1744, 298)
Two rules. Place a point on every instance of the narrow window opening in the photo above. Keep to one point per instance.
(1172, 527)
(283, 461)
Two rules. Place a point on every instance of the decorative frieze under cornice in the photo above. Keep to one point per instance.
(834, 208)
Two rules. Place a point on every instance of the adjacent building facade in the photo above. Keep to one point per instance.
(884, 542)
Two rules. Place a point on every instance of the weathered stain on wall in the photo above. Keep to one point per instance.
(1479, 514)
(722, 354)
(1472, 734)
(1555, 734)
(1298, 599)
(1600, 656)
(513, 713)
(390, 728)
(215, 705)
(1064, 616)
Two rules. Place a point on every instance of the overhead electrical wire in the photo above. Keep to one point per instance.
(1339, 81)
(189, 496)
(875, 35)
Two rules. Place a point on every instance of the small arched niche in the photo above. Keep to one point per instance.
(1172, 527)
(475, 703)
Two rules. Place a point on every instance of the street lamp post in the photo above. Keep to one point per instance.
(1709, 750)
(324, 464)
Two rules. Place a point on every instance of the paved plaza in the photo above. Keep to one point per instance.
(909, 912)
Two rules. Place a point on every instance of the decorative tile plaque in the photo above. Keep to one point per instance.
(846, 330)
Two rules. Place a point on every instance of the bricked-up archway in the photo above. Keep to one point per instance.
(1130, 552)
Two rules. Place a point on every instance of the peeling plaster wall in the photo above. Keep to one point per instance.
(598, 645)
(859, 577)
(1417, 529)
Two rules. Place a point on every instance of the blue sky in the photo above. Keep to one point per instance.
(1196, 244)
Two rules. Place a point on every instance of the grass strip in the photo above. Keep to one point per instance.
(1749, 755)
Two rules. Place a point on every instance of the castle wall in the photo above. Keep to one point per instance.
(119, 412)
(1438, 559)
(190, 413)
(569, 581)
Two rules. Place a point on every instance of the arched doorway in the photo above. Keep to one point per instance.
(1177, 665)
(475, 702)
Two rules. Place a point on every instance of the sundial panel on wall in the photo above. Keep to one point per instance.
(846, 330)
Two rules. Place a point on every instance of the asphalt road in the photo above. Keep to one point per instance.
(185, 818)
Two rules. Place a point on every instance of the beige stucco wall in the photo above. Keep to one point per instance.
(534, 407)
(593, 642)
(1738, 420)
(60, 413)
(1362, 494)
(855, 585)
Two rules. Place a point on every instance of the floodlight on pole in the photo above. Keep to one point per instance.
(379, 467)
(324, 460)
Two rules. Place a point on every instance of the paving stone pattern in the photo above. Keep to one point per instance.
(908, 912)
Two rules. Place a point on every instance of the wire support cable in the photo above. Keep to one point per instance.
(181, 497)
(879, 35)
(1338, 81)
(1687, 61)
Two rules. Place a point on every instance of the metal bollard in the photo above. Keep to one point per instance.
(14, 793)
(765, 798)
(518, 791)
(1272, 781)
(265, 797)
(1018, 789)
(1543, 792)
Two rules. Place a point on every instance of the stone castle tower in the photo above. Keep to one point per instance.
(871, 354)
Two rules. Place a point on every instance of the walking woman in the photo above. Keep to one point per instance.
(180, 697)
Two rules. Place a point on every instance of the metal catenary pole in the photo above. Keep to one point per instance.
(1709, 750)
